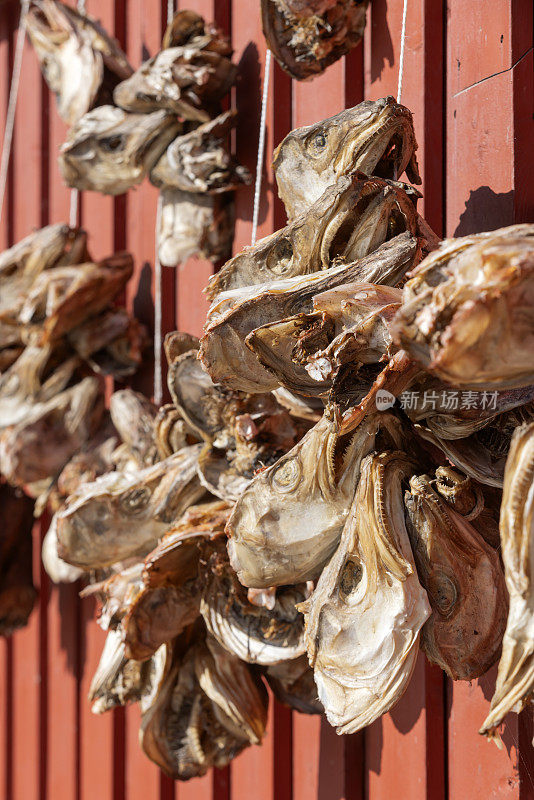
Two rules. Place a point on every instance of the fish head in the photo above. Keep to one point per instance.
(110, 150)
(376, 137)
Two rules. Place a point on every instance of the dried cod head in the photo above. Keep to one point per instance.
(287, 524)
(80, 62)
(348, 326)
(38, 375)
(17, 592)
(195, 224)
(464, 581)
(109, 150)
(188, 81)
(305, 38)
(362, 623)
(467, 314)
(199, 161)
(124, 514)
(376, 137)
(205, 712)
(236, 313)
(515, 679)
(119, 680)
(53, 245)
(62, 298)
(168, 599)
(254, 633)
(40, 445)
(351, 219)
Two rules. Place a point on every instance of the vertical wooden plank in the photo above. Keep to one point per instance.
(489, 119)
(6, 672)
(27, 747)
(252, 771)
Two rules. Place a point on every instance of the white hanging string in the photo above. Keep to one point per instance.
(401, 56)
(158, 311)
(12, 103)
(158, 385)
(261, 146)
(74, 193)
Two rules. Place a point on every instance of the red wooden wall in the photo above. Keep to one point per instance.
(469, 81)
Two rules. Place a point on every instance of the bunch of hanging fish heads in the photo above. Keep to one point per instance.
(345, 474)
(164, 121)
(60, 331)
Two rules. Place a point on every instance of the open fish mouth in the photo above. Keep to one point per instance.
(349, 223)
(381, 148)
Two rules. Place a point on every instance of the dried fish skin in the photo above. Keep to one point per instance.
(288, 522)
(305, 41)
(515, 678)
(199, 161)
(189, 28)
(133, 416)
(62, 298)
(376, 137)
(255, 634)
(40, 445)
(464, 581)
(351, 219)
(482, 455)
(38, 375)
(362, 623)
(17, 592)
(292, 684)
(467, 315)
(176, 343)
(195, 224)
(120, 515)
(236, 313)
(169, 597)
(57, 570)
(80, 62)
(171, 432)
(188, 81)
(20, 265)
(201, 404)
(109, 150)
(186, 731)
(349, 325)
(118, 680)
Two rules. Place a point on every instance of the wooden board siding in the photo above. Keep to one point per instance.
(469, 79)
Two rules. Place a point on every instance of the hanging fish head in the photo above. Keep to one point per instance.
(110, 150)
(376, 137)
(287, 523)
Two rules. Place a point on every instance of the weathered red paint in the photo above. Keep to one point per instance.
(469, 80)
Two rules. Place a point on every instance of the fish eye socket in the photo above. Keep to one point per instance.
(111, 143)
(351, 576)
(279, 259)
(287, 476)
(443, 592)
(134, 500)
(316, 143)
